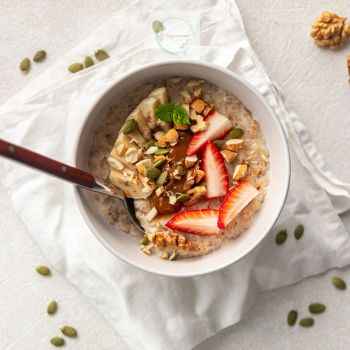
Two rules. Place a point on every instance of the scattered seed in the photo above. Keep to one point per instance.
(159, 163)
(69, 331)
(338, 283)
(292, 317)
(183, 197)
(24, 66)
(281, 237)
(219, 143)
(39, 56)
(162, 178)
(162, 151)
(317, 308)
(299, 232)
(157, 26)
(101, 55)
(236, 133)
(88, 62)
(307, 322)
(75, 67)
(129, 126)
(144, 240)
(153, 173)
(43, 270)
(52, 307)
(148, 144)
(57, 341)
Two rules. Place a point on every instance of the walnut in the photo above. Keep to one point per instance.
(330, 30)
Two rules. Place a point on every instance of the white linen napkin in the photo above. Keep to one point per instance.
(149, 311)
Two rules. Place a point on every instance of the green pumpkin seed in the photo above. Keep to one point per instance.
(52, 307)
(159, 163)
(183, 197)
(162, 151)
(236, 133)
(43, 270)
(299, 232)
(24, 66)
(144, 240)
(148, 144)
(101, 55)
(75, 67)
(153, 173)
(39, 56)
(292, 317)
(307, 322)
(157, 26)
(69, 331)
(219, 143)
(129, 126)
(339, 283)
(88, 62)
(281, 237)
(317, 308)
(162, 178)
(57, 341)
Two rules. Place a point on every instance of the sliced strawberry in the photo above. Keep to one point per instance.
(235, 201)
(218, 126)
(203, 222)
(215, 171)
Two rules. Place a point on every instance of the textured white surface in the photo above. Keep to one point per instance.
(316, 86)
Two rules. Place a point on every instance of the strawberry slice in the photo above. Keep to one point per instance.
(215, 171)
(218, 126)
(202, 222)
(235, 201)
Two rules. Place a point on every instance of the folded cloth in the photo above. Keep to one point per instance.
(149, 311)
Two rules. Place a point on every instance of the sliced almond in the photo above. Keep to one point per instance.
(151, 214)
(190, 161)
(198, 105)
(229, 156)
(240, 172)
(233, 145)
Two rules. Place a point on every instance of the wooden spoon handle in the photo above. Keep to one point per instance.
(47, 165)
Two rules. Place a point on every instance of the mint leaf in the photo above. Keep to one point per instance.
(170, 112)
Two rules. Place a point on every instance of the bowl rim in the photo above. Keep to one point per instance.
(231, 74)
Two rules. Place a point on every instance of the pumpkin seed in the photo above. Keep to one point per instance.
(153, 173)
(148, 144)
(299, 232)
(101, 55)
(69, 331)
(129, 126)
(162, 178)
(162, 151)
(157, 26)
(339, 283)
(317, 308)
(281, 237)
(183, 197)
(159, 163)
(88, 62)
(219, 143)
(307, 322)
(52, 307)
(75, 67)
(39, 56)
(24, 66)
(57, 341)
(144, 240)
(43, 270)
(236, 133)
(292, 317)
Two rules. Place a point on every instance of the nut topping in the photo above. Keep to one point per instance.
(240, 172)
(229, 156)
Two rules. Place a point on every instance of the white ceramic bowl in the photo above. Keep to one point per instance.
(125, 246)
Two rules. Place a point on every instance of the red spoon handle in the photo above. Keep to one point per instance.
(47, 165)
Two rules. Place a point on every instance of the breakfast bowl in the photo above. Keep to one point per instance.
(122, 241)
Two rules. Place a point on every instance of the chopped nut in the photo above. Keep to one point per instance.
(240, 172)
(189, 182)
(159, 191)
(151, 150)
(143, 165)
(172, 199)
(151, 214)
(179, 172)
(198, 105)
(190, 161)
(229, 156)
(330, 30)
(146, 250)
(197, 193)
(200, 125)
(233, 145)
(132, 155)
(172, 136)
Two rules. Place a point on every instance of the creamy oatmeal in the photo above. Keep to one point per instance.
(192, 157)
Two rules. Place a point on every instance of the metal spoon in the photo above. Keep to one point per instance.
(66, 172)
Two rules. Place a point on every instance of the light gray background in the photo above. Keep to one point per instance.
(315, 85)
